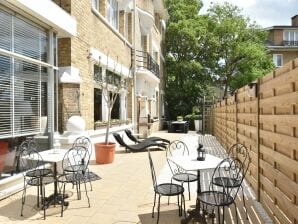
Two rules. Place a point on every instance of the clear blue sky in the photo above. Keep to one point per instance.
(265, 12)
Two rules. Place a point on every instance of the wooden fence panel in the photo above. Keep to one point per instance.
(267, 125)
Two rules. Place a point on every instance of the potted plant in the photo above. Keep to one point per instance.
(110, 84)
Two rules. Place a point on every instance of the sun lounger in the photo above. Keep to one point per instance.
(142, 146)
(155, 139)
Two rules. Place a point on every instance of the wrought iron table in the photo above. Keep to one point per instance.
(54, 156)
(190, 163)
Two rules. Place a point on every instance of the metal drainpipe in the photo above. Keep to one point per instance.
(135, 121)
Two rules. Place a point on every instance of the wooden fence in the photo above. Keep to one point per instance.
(266, 122)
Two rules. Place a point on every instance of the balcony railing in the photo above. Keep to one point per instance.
(290, 43)
(145, 61)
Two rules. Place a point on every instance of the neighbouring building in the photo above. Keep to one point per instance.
(283, 42)
(28, 73)
(118, 41)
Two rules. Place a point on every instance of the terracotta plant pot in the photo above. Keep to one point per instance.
(104, 153)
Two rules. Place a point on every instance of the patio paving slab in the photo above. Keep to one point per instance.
(123, 194)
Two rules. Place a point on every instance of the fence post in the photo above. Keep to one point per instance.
(226, 123)
(236, 116)
(258, 137)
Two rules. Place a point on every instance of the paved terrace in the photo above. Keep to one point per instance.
(124, 193)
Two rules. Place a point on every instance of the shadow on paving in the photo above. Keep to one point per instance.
(13, 209)
(165, 217)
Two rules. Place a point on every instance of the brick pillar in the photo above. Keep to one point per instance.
(69, 103)
(64, 52)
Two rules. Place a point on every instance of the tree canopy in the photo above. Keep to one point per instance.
(239, 52)
(184, 82)
(221, 48)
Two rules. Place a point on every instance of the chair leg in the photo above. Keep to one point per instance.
(183, 202)
(243, 198)
(158, 208)
(23, 198)
(223, 214)
(87, 194)
(90, 182)
(169, 196)
(63, 197)
(188, 191)
(42, 198)
(236, 212)
(179, 210)
(38, 194)
(153, 205)
(218, 214)
(77, 183)
(184, 206)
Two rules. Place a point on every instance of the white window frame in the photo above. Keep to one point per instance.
(275, 59)
(290, 35)
(18, 60)
(113, 13)
(95, 4)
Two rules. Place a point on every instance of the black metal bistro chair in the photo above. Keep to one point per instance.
(34, 170)
(165, 189)
(74, 172)
(178, 147)
(226, 172)
(86, 142)
(236, 152)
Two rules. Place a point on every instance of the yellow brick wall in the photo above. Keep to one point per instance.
(64, 52)
(91, 32)
(68, 102)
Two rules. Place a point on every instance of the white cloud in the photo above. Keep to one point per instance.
(264, 12)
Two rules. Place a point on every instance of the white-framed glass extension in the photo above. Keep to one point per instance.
(27, 77)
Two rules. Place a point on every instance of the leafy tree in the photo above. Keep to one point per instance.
(222, 46)
(186, 80)
(239, 54)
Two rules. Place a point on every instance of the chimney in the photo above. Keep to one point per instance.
(295, 20)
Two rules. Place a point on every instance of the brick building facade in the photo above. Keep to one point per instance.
(108, 36)
(283, 42)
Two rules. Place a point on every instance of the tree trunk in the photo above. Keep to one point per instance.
(108, 127)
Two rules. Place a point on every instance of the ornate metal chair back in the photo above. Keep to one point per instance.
(228, 171)
(176, 148)
(75, 159)
(29, 157)
(239, 153)
(84, 141)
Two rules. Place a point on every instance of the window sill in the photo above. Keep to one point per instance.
(105, 21)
